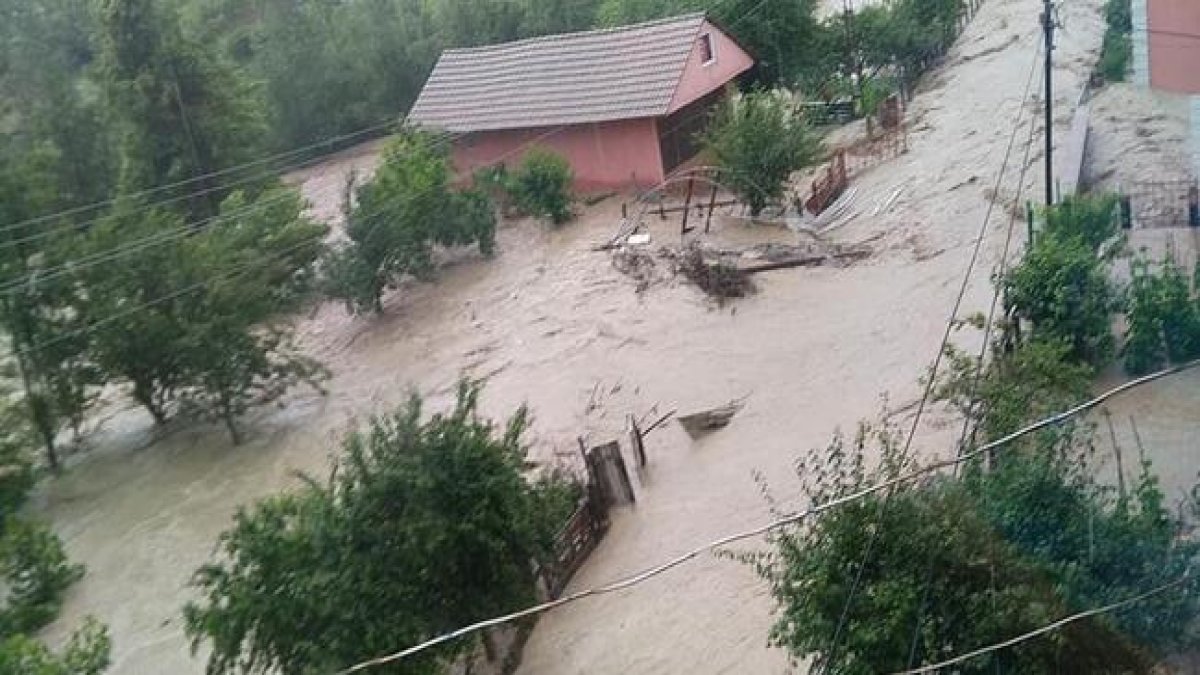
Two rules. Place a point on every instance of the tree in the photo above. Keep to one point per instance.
(1064, 290)
(182, 112)
(541, 186)
(34, 571)
(87, 653)
(959, 563)
(46, 346)
(424, 524)
(398, 217)
(1163, 318)
(202, 301)
(758, 140)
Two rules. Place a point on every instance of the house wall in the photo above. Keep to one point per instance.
(607, 155)
(700, 79)
(1174, 58)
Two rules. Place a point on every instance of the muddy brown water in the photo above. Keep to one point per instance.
(551, 323)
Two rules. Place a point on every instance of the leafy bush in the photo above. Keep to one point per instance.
(87, 653)
(541, 186)
(1163, 319)
(1064, 290)
(1092, 219)
(35, 571)
(958, 563)
(758, 140)
(425, 524)
(1117, 50)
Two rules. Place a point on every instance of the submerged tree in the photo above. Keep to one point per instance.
(758, 140)
(425, 524)
(398, 217)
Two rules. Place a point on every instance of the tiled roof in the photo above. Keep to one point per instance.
(574, 78)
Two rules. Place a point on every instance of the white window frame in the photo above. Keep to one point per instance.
(707, 38)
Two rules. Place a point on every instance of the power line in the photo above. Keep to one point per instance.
(333, 140)
(197, 286)
(784, 521)
(1046, 629)
(145, 206)
(932, 377)
(124, 248)
(978, 371)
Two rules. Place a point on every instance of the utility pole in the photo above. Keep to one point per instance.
(1048, 29)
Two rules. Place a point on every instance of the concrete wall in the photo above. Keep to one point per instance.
(606, 155)
(1141, 44)
(1174, 50)
(699, 78)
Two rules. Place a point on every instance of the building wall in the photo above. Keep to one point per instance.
(1174, 53)
(699, 78)
(607, 155)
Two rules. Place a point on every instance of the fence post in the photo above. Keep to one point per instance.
(1126, 212)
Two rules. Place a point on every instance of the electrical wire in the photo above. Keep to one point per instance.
(932, 377)
(783, 521)
(978, 371)
(1046, 629)
(333, 140)
(277, 172)
(125, 248)
(199, 285)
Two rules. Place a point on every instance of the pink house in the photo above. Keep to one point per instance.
(1173, 28)
(623, 105)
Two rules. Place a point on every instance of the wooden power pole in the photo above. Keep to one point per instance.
(1048, 29)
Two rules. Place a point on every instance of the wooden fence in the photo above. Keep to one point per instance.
(574, 543)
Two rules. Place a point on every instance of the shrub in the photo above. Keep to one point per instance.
(35, 570)
(758, 140)
(541, 186)
(1163, 319)
(960, 563)
(1064, 290)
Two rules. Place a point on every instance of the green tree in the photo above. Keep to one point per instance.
(1063, 288)
(34, 571)
(87, 653)
(1163, 318)
(198, 328)
(541, 186)
(758, 140)
(180, 111)
(425, 524)
(959, 563)
(46, 347)
(398, 217)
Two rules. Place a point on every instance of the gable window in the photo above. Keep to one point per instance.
(707, 53)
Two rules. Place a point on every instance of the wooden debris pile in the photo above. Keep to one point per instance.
(714, 275)
(725, 273)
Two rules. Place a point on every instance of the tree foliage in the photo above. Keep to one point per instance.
(424, 524)
(396, 219)
(1063, 285)
(34, 571)
(1163, 318)
(957, 564)
(758, 140)
(541, 186)
(202, 331)
(180, 111)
